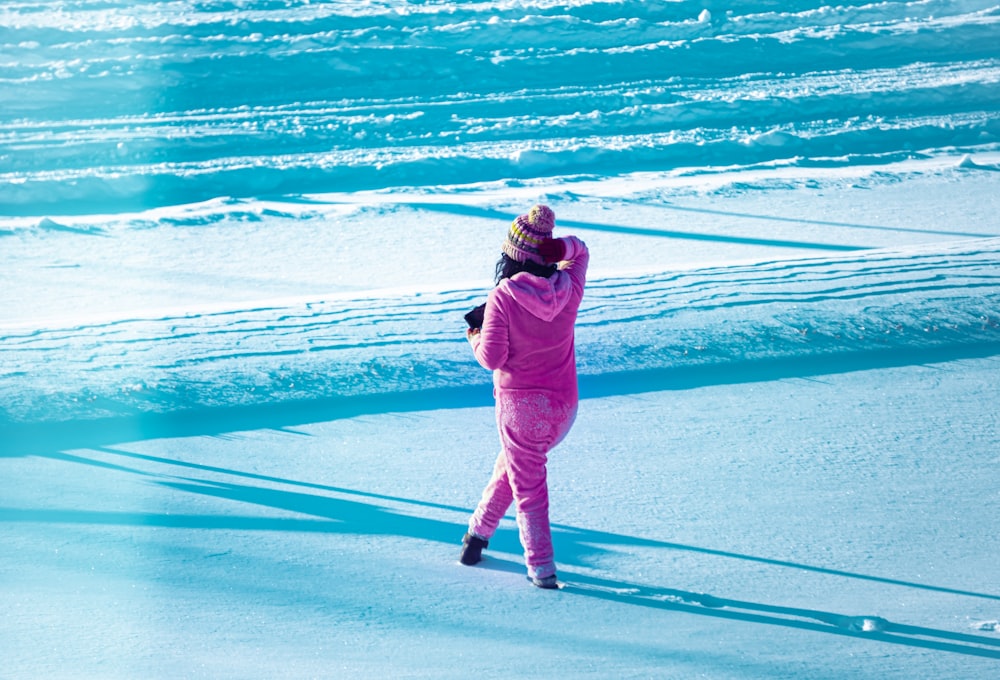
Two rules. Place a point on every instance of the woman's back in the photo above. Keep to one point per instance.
(528, 331)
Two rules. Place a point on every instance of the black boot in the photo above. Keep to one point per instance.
(472, 549)
(545, 582)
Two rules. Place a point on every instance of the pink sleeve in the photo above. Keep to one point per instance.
(490, 345)
(575, 261)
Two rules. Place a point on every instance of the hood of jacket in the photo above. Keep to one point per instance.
(543, 298)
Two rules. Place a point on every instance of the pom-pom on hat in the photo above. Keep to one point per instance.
(527, 231)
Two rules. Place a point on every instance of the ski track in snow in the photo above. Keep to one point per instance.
(176, 102)
(637, 333)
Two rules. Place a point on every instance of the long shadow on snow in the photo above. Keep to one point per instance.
(670, 599)
(472, 211)
(486, 213)
(47, 438)
(575, 545)
(348, 516)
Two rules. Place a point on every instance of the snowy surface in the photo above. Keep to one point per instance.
(241, 430)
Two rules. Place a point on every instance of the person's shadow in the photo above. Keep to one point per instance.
(335, 510)
(368, 514)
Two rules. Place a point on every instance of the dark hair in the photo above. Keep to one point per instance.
(508, 266)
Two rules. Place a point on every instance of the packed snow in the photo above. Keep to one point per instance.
(241, 430)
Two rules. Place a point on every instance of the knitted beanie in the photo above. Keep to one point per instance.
(527, 231)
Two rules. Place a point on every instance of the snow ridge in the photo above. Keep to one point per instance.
(648, 332)
(131, 107)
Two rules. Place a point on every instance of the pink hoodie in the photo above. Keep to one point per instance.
(527, 334)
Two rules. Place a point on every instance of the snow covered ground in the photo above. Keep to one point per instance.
(240, 427)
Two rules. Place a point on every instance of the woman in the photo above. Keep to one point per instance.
(526, 339)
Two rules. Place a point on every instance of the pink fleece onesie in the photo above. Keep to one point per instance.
(527, 341)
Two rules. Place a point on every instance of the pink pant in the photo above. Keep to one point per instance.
(530, 425)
